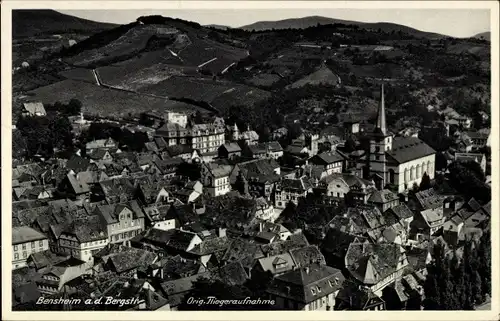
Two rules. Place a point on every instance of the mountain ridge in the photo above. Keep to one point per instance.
(311, 21)
(29, 23)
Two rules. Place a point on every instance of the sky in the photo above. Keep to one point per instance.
(451, 22)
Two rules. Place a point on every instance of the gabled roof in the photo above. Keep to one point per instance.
(78, 163)
(405, 149)
(231, 147)
(326, 158)
(25, 234)
(131, 259)
(110, 212)
(382, 197)
(277, 263)
(220, 170)
(401, 211)
(307, 255)
(78, 186)
(307, 284)
(371, 263)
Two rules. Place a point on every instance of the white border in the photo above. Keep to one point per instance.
(6, 133)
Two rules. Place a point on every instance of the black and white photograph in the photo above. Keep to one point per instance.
(260, 159)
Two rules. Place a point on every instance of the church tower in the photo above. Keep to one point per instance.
(235, 132)
(380, 143)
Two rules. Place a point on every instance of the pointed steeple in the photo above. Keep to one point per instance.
(381, 126)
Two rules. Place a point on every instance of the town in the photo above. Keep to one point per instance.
(168, 207)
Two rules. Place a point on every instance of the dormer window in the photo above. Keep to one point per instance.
(313, 291)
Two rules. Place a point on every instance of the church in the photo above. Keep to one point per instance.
(396, 162)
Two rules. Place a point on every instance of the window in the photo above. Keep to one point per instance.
(16, 256)
(32, 245)
(40, 244)
(25, 255)
(15, 247)
(24, 246)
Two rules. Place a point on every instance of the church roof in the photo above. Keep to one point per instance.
(405, 149)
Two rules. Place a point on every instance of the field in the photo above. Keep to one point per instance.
(219, 94)
(387, 70)
(321, 76)
(264, 80)
(101, 101)
(130, 43)
(81, 74)
(135, 79)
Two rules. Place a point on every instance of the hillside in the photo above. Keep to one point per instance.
(483, 35)
(311, 76)
(29, 23)
(307, 22)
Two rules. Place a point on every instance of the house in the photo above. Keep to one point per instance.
(358, 298)
(146, 160)
(311, 288)
(375, 265)
(83, 238)
(26, 241)
(265, 210)
(260, 174)
(205, 137)
(156, 216)
(129, 261)
(177, 290)
(76, 189)
(123, 221)
(290, 190)
(263, 150)
(332, 162)
(116, 190)
(282, 232)
(478, 139)
(481, 215)
(101, 144)
(384, 199)
(472, 157)
(154, 192)
(402, 214)
(78, 164)
(275, 265)
(167, 168)
(33, 109)
(100, 155)
(426, 223)
(55, 277)
(181, 151)
(338, 186)
(215, 178)
(229, 150)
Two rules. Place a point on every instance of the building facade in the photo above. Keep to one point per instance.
(26, 241)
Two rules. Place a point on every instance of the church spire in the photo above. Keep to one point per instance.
(381, 126)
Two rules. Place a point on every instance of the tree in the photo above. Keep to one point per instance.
(74, 107)
(484, 263)
(425, 183)
(468, 179)
(145, 120)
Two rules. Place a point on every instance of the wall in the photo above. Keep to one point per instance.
(23, 254)
(165, 225)
(399, 172)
